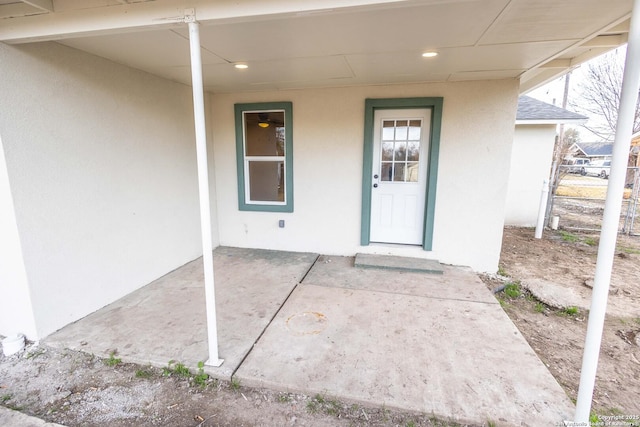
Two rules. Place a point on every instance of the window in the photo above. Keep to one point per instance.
(400, 150)
(264, 156)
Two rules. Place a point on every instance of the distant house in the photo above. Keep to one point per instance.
(531, 157)
(601, 150)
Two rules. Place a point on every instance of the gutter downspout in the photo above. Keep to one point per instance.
(611, 218)
(203, 187)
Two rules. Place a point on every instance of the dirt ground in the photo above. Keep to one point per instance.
(556, 335)
(78, 389)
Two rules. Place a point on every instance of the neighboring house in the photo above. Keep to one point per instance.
(532, 157)
(328, 131)
(598, 155)
(602, 150)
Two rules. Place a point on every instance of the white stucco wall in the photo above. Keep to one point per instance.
(101, 162)
(530, 166)
(16, 313)
(328, 126)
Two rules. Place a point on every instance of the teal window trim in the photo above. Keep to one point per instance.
(240, 158)
(371, 105)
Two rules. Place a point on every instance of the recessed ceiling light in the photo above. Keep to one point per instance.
(241, 66)
(429, 54)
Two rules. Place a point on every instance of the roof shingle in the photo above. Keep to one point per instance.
(533, 109)
(595, 149)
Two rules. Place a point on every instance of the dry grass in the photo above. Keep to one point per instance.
(590, 192)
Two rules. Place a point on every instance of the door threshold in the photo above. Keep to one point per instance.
(395, 245)
(395, 249)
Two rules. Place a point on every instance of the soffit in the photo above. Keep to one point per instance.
(351, 43)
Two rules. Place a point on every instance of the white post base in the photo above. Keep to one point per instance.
(216, 363)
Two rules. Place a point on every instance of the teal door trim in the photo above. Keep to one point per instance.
(371, 105)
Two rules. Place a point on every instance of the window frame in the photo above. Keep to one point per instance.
(244, 204)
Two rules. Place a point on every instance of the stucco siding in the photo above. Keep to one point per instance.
(101, 162)
(328, 129)
(16, 313)
(530, 166)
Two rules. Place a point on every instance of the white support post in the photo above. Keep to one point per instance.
(203, 186)
(542, 210)
(611, 219)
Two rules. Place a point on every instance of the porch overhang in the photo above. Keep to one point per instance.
(289, 44)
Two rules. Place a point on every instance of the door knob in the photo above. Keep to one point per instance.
(375, 176)
(375, 185)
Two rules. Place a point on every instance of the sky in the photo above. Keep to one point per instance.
(553, 92)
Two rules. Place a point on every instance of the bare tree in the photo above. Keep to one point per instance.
(571, 136)
(564, 141)
(561, 151)
(598, 94)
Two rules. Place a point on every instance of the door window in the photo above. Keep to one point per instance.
(400, 145)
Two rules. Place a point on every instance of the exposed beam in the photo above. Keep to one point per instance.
(45, 5)
(598, 46)
(538, 76)
(622, 27)
(535, 78)
(592, 53)
(557, 63)
(613, 40)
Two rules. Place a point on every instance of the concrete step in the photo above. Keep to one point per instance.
(387, 262)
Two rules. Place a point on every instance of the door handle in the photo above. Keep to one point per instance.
(375, 185)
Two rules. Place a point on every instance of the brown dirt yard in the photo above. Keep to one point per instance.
(79, 389)
(557, 334)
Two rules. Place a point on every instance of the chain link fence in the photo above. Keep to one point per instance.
(578, 199)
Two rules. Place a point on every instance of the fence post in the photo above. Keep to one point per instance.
(555, 177)
(543, 207)
(633, 203)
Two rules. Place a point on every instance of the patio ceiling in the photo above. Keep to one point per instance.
(299, 44)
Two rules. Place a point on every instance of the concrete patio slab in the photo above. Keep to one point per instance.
(388, 262)
(11, 418)
(436, 344)
(166, 319)
(557, 296)
(563, 295)
(439, 345)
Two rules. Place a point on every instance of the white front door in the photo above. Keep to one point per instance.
(400, 150)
